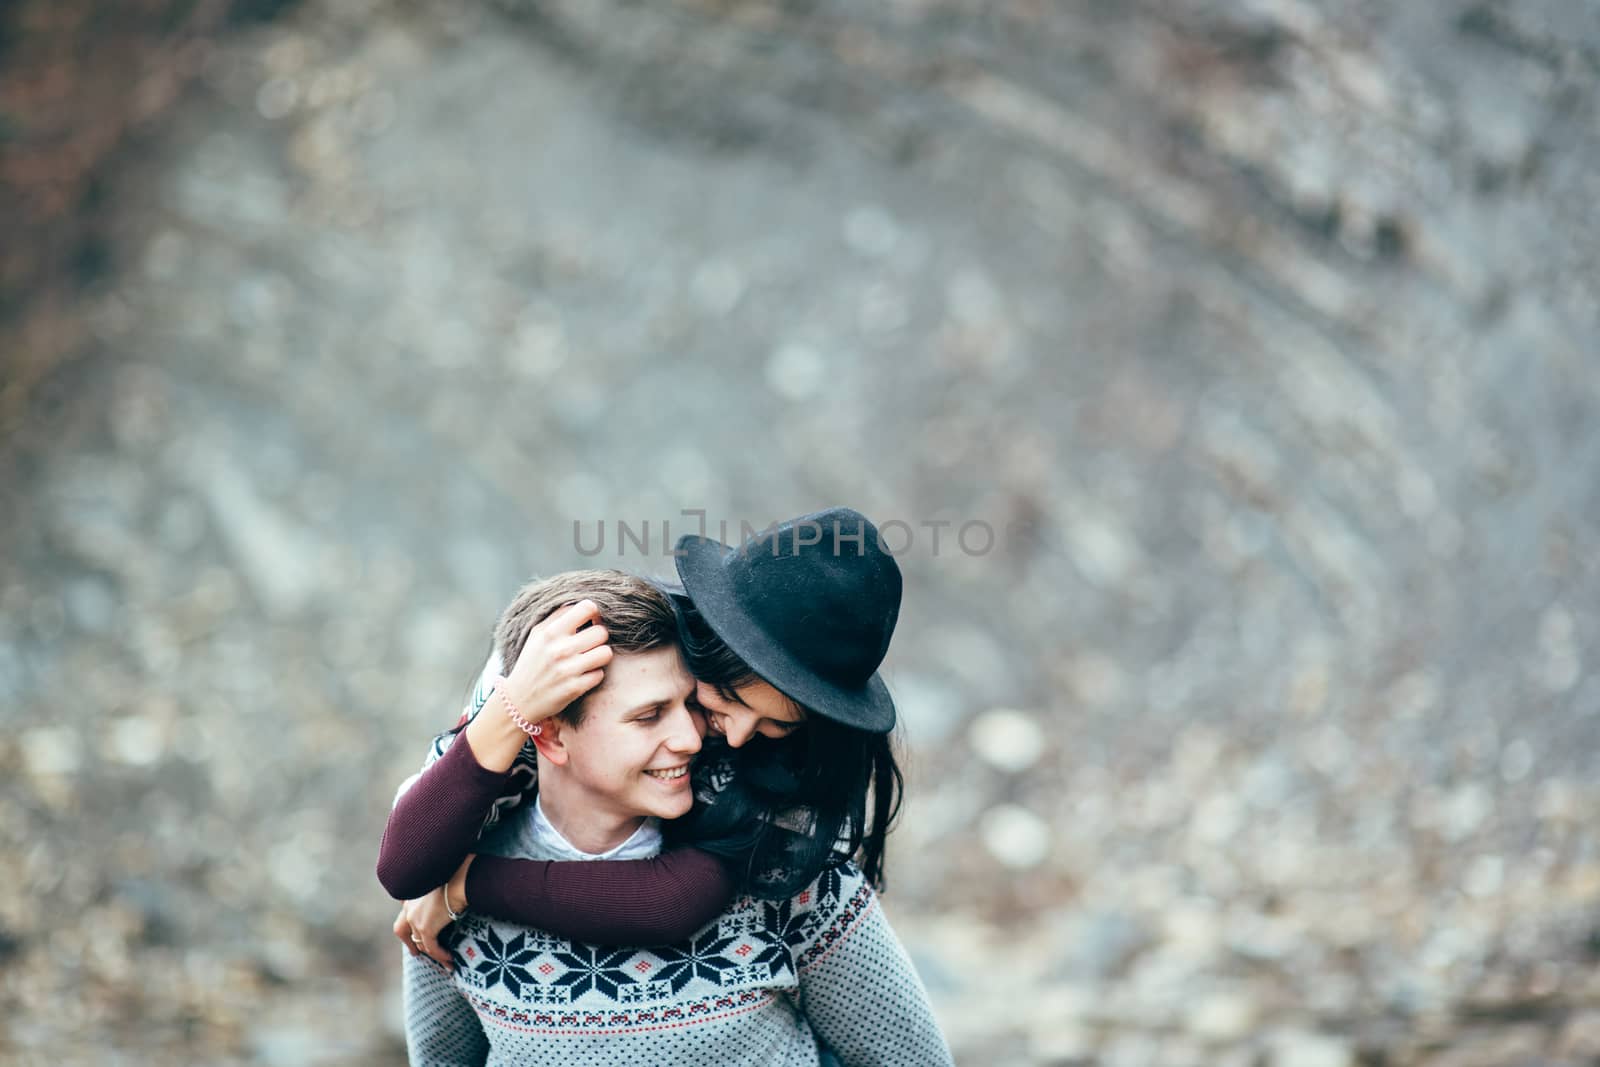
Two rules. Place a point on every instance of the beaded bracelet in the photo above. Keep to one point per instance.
(532, 729)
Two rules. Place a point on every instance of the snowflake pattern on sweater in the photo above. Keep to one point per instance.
(756, 986)
(756, 946)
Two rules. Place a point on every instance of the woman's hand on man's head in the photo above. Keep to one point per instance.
(564, 657)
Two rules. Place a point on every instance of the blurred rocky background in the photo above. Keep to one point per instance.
(1259, 335)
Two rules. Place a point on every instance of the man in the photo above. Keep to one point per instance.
(612, 763)
(759, 984)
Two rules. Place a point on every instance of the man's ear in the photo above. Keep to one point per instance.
(550, 741)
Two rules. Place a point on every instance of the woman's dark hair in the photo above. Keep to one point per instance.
(785, 809)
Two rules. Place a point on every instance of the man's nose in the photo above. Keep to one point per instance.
(686, 731)
(698, 717)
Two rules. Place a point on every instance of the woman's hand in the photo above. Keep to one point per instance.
(419, 924)
(557, 665)
(559, 662)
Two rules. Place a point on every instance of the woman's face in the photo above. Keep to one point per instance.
(756, 708)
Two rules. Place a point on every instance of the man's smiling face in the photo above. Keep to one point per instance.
(640, 731)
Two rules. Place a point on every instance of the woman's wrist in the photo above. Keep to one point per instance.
(455, 890)
(525, 701)
(513, 710)
(494, 737)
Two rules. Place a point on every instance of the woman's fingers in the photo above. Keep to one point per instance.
(429, 944)
(592, 660)
(425, 917)
(587, 638)
(573, 617)
(402, 930)
(559, 629)
(552, 667)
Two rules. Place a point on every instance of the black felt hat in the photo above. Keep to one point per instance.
(810, 605)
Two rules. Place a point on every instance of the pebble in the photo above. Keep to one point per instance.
(1097, 945)
(135, 741)
(1217, 819)
(277, 98)
(1559, 665)
(1096, 678)
(1007, 739)
(795, 371)
(1015, 836)
(717, 286)
(1131, 1049)
(51, 751)
(1102, 548)
(1294, 1048)
(1061, 1042)
(1516, 761)
(538, 347)
(1222, 1016)
(1265, 938)
(883, 311)
(1485, 876)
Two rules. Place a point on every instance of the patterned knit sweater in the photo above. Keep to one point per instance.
(758, 986)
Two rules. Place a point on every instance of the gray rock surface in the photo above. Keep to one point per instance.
(1261, 337)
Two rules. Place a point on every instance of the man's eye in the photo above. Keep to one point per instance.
(649, 717)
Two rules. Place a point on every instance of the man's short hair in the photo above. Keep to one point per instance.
(637, 615)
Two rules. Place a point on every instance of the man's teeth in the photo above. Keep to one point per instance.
(676, 772)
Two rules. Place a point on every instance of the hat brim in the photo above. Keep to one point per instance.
(706, 581)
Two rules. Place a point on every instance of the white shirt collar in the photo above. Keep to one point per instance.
(644, 843)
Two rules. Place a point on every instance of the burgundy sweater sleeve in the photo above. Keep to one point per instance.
(606, 902)
(436, 822)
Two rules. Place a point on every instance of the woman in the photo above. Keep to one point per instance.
(801, 711)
